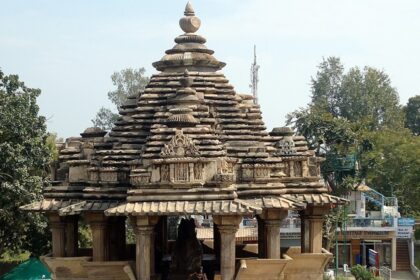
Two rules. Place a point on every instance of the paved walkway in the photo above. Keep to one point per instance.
(402, 275)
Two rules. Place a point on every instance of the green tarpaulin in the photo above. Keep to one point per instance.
(32, 269)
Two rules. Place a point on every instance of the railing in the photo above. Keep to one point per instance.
(370, 222)
(391, 201)
(375, 197)
(385, 272)
(287, 223)
(379, 199)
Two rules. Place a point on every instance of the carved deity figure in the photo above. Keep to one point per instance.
(187, 254)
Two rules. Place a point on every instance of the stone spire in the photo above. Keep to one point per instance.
(181, 114)
(189, 52)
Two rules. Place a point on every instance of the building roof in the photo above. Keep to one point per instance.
(225, 207)
(317, 199)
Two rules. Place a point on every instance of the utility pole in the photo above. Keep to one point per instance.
(254, 77)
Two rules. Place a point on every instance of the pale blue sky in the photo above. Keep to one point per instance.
(69, 49)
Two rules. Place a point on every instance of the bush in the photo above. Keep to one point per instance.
(361, 273)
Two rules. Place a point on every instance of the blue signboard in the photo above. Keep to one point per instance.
(406, 221)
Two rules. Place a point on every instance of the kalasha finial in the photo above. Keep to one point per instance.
(189, 10)
(190, 23)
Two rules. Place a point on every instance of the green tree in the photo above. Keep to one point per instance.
(358, 113)
(368, 99)
(326, 86)
(24, 158)
(365, 98)
(128, 82)
(412, 114)
(393, 167)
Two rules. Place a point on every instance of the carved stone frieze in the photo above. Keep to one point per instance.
(225, 167)
(285, 146)
(140, 177)
(180, 146)
(165, 173)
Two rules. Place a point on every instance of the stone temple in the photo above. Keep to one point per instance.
(187, 146)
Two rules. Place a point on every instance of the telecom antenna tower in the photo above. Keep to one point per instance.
(254, 77)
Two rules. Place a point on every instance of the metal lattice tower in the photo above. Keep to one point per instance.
(254, 77)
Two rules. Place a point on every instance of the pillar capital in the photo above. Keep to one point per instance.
(315, 210)
(96, 220)
(137, 221)
(315, 218)
(222, 220)
(143, 230)
(57, 225)
(274, 214)
(228, 229)
(272, 223)
(55, 221)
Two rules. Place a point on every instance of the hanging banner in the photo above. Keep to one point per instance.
(373, 258)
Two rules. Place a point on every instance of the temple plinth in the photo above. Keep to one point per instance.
(188, 146)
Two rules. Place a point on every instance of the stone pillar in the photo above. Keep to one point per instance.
(394, 253)
(305, 168)
(315, 234)
(57, 227)
(272, 219)
(144, 228)
(228, 226)
(312, 219)
(99, 225)
(291, 168)
(152, 253)
(72, 235)
(273, 239)
(117, 245)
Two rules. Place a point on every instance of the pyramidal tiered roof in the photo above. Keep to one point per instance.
(188, 144)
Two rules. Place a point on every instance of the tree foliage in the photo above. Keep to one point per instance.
(393, 167)
(356, 100)
(358, 112)
(24, 156)
(105, 118)
(128, 82)
(412, 114)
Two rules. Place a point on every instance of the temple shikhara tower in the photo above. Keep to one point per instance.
(188, 146)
